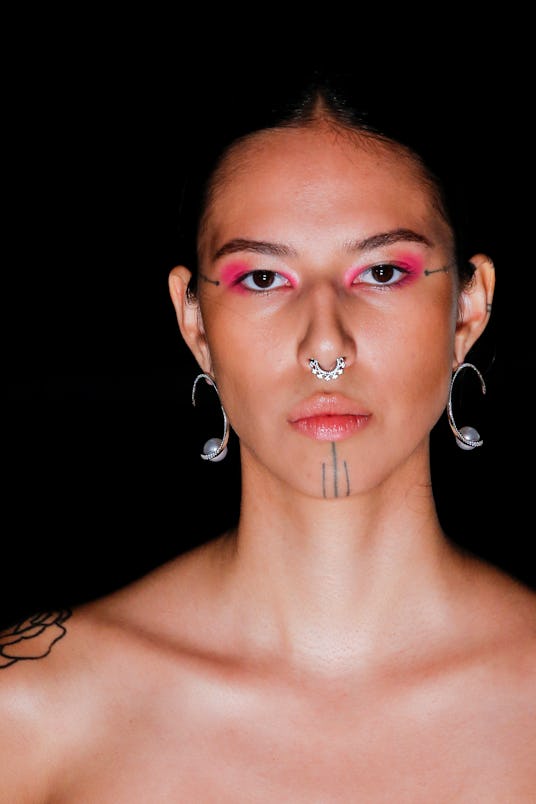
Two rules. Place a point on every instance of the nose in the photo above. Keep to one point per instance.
(327, 345)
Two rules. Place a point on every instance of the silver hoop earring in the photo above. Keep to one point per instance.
(215, 449)
(332, 374)
(466, 437)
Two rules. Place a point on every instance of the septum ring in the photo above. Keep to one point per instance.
(332, 374)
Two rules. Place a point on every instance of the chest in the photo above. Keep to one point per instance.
(355, 751)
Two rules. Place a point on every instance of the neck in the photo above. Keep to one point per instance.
(336, 578)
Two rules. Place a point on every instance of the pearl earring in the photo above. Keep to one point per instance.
(215, 449)
(467, 437)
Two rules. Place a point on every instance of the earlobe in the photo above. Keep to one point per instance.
(475, 303)
(189, 316)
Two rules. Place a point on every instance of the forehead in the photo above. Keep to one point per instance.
(309, 177)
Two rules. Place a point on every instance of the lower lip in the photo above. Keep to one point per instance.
(330, 428)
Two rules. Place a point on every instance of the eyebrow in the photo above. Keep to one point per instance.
(387, 239)
(351, 246)
(257, 246)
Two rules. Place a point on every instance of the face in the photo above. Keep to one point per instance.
(317, 246)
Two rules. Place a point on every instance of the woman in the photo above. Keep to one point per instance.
(335, 645)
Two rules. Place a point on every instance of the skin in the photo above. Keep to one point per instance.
(335, 647)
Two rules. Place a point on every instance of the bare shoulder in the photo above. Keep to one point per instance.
(32, 637)
(501, 611)
(32, 664)
(60, 673)
(51, 647)
(508, 601)
(69, 677)
(501, 690)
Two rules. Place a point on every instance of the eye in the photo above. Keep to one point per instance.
(263, 280)
(384, 274)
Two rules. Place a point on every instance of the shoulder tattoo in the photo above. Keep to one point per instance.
(32, 638)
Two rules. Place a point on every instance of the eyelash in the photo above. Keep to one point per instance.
(399, 274)
(242, 280)
(394, 280)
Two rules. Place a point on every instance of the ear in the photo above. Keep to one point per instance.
(189, 316)
(474, 307)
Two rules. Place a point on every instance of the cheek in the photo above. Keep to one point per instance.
(240, 336)
(248, 355)
(427, 325)
(420, 359)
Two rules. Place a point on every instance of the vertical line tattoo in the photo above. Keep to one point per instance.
(335, 469)
(334, 456)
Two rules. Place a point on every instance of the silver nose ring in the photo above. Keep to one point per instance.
(332, 374)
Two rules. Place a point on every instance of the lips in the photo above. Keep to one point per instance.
(328, 417)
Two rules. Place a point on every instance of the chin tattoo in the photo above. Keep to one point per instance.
(335, 478)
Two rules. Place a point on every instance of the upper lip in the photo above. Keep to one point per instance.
(324, 404)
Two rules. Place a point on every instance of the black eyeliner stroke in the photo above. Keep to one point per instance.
(444, 270)
(207, 279)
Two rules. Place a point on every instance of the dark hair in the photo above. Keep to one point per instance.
(300, 101)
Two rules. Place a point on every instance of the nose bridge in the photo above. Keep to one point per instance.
(326, 334)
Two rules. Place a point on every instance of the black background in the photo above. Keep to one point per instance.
(102, 474)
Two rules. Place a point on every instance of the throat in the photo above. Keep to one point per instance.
(335, 599)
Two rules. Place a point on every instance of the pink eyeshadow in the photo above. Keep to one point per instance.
(410, 262)
(230, 273)
(234, 271)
